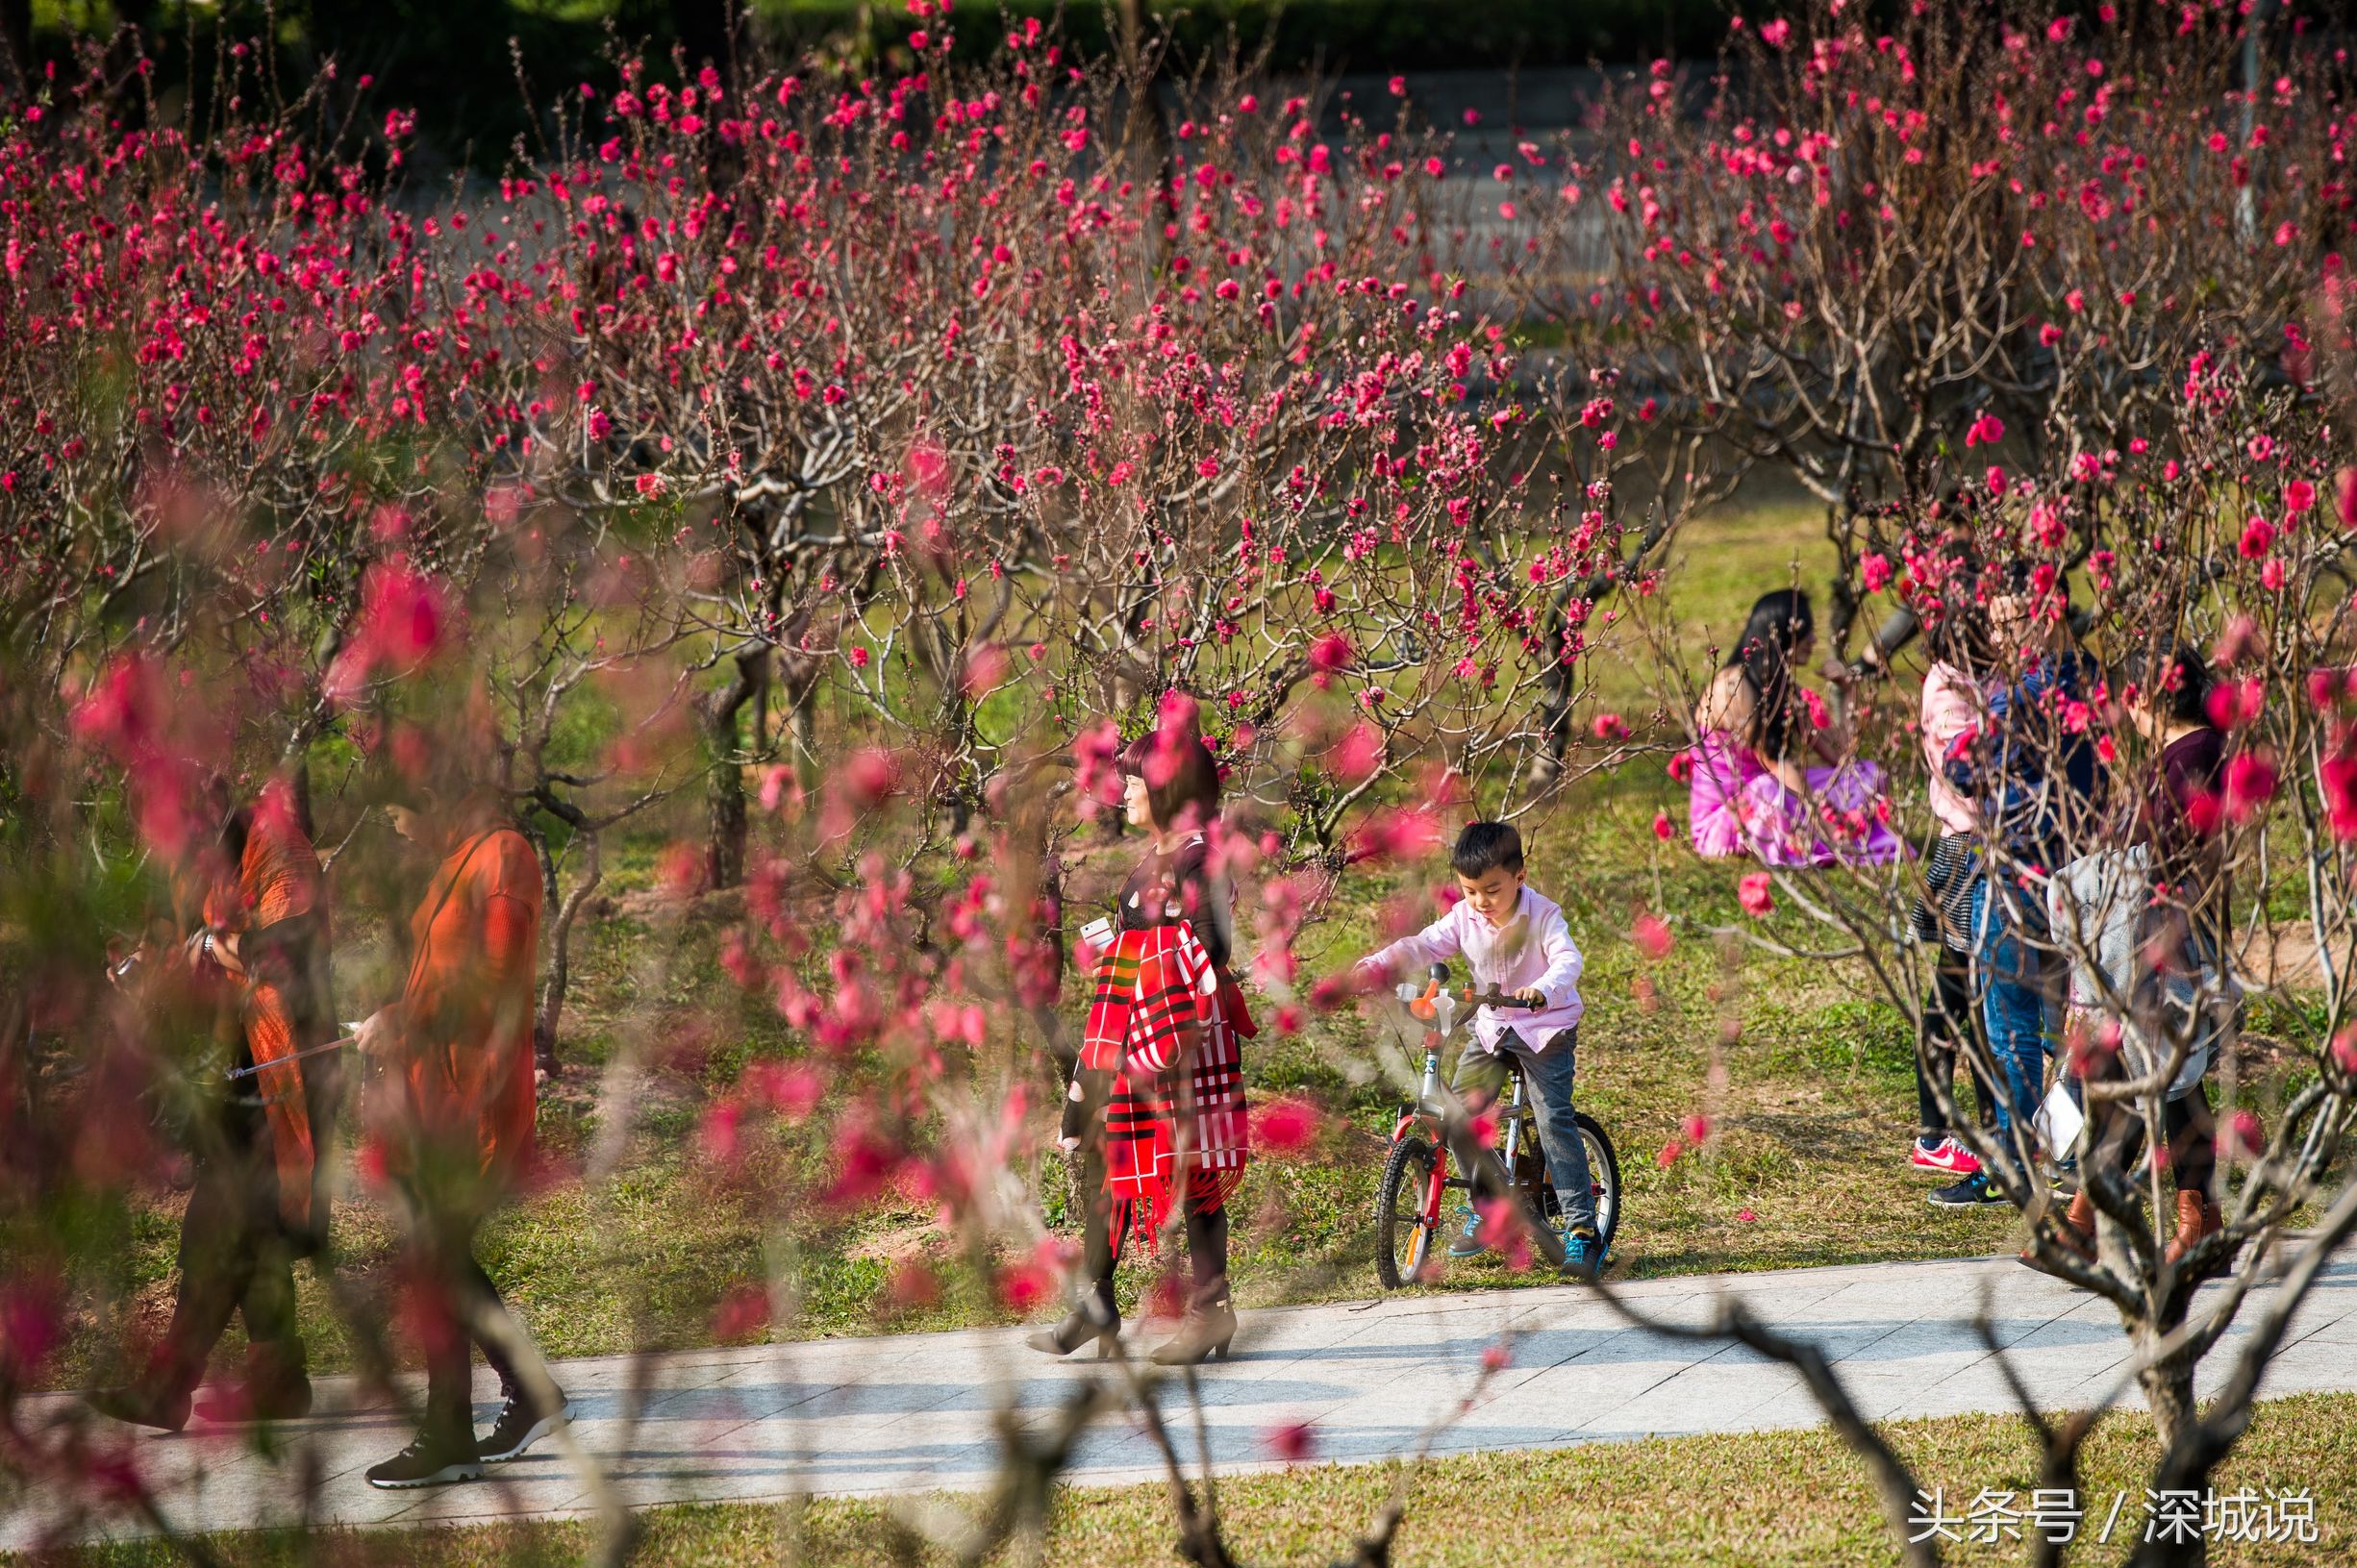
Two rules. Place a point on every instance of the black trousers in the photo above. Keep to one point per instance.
(462, 1294)
(1951, 1023)
(236, 1256)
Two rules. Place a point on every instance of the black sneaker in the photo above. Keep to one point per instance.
(1974, 1191)
(426, 1462)
(520, 1427)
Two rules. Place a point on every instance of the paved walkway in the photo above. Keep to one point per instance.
(866, 1417)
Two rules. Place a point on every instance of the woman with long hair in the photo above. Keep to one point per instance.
(2147, 927)
(1156, 1109)
(1754, 789)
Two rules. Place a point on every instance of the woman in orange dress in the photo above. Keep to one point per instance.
(457, 1052)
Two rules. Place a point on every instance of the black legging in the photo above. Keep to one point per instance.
(1951, 1023)
(1207, 1250)
(2187, 1125)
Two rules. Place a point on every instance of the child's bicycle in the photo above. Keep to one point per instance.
(1416, 1175)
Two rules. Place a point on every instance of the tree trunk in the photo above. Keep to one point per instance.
(1558, 688)
(724, 792)
(802, 728)
(2169, 1394)
(2168, 1387)
(2254, 76)
(294, 767)
(2169, 1391)
(725, 833)
(557, 961)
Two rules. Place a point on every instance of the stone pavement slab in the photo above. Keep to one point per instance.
(903, 1413)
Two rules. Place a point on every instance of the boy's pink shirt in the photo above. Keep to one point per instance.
(1546, 959)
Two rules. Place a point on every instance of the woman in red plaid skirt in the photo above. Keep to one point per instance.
(1157, 1106)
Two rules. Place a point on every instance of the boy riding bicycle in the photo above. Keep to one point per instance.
(1516, 941)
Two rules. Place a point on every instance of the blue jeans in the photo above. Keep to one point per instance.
(2014, 1005)
(1481, 1075)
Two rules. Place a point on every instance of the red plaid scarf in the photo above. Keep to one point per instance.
(1174, 1114)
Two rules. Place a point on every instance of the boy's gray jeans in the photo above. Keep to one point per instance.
(1481, 1079)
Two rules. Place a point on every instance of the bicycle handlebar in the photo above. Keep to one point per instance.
(1421, 1006)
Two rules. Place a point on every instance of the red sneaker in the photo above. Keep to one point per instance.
(1946, 1155)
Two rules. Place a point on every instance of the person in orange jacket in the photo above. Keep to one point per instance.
(256, 960)
(456, 1052)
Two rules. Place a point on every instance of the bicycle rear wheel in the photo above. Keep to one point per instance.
(1538, 1188)
(1403, 1238)
(1603, 1175)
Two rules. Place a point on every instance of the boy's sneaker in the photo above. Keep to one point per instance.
(1583, 1254)
(1974, 1191)
(1943, 1154)
(1468, 1240)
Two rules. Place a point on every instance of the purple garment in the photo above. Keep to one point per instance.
(1738, 808)
(1723, 771)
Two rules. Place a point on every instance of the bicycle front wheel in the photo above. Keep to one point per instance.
(1403, 1232)
(1603, 1175)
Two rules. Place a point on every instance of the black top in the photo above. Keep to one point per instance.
(1176, 886)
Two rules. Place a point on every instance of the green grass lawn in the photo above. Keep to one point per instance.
(1794, 1498)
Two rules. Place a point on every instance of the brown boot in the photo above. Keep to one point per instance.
(1203, 1334)
(2196, 1217)
(1211, 1318)
(2076, 1232)
(1095, 1319)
